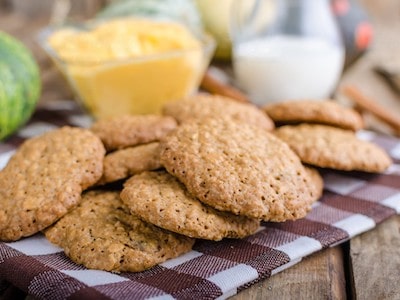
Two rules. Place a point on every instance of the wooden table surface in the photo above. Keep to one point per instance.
(367, 266)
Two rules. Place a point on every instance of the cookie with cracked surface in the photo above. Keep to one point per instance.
(238, 168)
(101, 233)
(204, 105)
(160, 199)
(321, 112)
(44, 179)
(126, 162)
(329, 147)
(130, 130)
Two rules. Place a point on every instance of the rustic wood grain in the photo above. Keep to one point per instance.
(319, 276)
(375, 260)
(374, 256)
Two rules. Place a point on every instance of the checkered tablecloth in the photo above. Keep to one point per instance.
(352, 203)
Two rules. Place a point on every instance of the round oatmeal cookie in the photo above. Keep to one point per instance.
(126, 162)
(131, 130)
(101, 233)
(310, 111)
(329, 147)
(239, 168)
(160, 199)
(44, 179)
(317, 181)
(205, 105)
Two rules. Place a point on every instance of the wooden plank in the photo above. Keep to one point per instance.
(375, 262)
(319, 276)
(374, 257)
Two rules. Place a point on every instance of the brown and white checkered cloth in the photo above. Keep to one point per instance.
(351, 204)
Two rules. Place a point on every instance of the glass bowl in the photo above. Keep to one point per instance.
(136, 85)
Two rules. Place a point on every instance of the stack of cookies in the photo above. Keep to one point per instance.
(322, 134)
(208, 168)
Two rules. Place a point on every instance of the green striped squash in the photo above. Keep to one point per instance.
(20, 84)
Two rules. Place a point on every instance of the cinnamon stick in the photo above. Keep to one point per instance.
(214, 86)
(373, 107)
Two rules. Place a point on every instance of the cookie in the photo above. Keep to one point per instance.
(238, 168)
(160, 199)
(45, 178)
(329, 147)
(204, 105)
(101, 233)
(308, 111)
(130, 130)
(124, 163)
(317, 182)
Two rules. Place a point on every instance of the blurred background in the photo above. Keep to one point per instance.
(372, 58)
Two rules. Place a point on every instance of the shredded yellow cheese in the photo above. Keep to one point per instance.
(130, 65)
